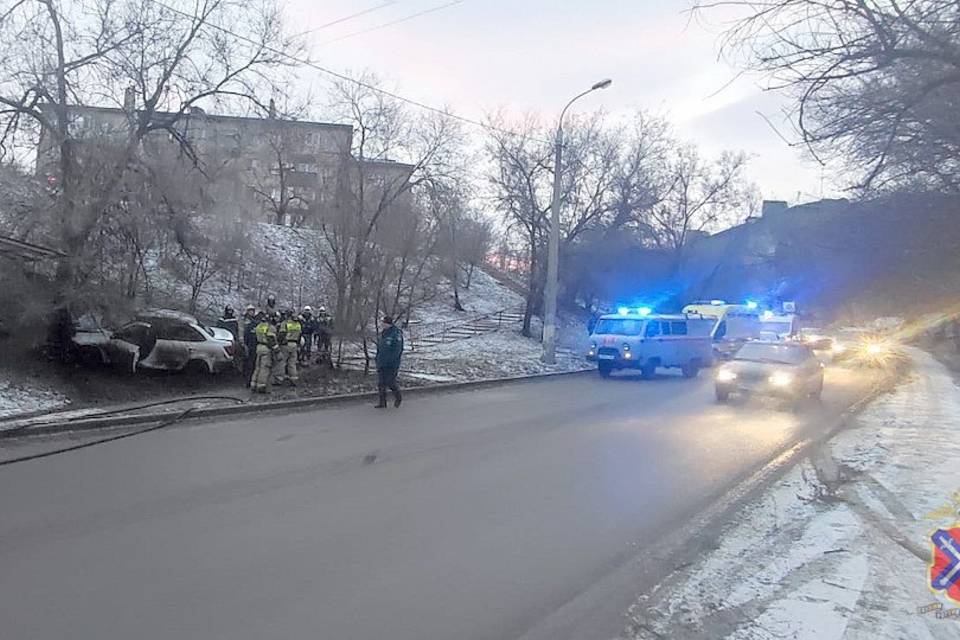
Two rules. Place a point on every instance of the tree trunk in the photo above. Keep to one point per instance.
(531, 292)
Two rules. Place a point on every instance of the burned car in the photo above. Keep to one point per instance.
(160, 340)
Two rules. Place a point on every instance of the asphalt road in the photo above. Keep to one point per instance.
(468, 515)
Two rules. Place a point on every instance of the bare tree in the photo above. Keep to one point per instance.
(394, 151)
(612, 177)
(875, 81)
(61, 55)
(700, 196)
(520, 190)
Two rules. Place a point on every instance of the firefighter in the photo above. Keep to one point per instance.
(266, 337)
(271, 304)
(230, 322)
(310, 326)
(324, 335)
(279, 358)
(289, 338)
(248, 324)
(389, 353)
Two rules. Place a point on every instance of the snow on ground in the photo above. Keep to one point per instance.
(486, 295)
(18, 398)
(838, 548)
(499, 354)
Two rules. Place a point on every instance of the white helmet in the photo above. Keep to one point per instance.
(322, 309)
(308, 309)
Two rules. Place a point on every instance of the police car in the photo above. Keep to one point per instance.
(639, 339)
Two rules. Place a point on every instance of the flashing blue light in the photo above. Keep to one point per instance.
(752, 304)
(717, 303)
(644, 311)
(767, 315)
(623, 311)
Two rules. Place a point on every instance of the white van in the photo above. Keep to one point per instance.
(647, 341)
(777, 328)
(733, 324)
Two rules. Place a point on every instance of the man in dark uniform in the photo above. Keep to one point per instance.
(250, 343)
(230, 322)
(310, 327)
(325, 336)
(389, 353)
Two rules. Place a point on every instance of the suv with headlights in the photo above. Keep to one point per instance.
(637, 340)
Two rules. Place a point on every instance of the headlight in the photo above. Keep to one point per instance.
(726, 375)
(875, 349)
(781, 379)
(838, 347)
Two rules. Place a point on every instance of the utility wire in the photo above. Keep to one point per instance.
(85, 445)
(340, 76)
(346, 18)
(393, 22)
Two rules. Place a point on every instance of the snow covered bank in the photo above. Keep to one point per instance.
(839, 547)
(493, 355)
(16, 398)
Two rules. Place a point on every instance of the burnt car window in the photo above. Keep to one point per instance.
(181, 332)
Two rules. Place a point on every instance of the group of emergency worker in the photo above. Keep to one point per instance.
(275, 342)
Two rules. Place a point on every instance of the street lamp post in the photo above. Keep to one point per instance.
(553, 253)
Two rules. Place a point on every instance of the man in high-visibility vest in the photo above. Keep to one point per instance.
(266, 335)
(290, 332)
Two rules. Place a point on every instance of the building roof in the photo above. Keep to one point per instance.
(13, 248)
(389, 163)
(206, 116)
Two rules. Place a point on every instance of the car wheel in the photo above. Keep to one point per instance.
(690, 370)
(196, 368)
(723, 395)
(605, 370)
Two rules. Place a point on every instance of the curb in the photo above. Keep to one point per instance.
(89, 423)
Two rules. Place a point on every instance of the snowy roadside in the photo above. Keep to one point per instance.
(839, 548)
(492, 355)
(19, 398)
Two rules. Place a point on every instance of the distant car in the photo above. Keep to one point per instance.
(780, 369)
(161, 340)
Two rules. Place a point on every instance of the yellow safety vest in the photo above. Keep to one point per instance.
(292, 330)
(266, 334)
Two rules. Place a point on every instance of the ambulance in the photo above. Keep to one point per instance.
(639, 339)
(733, 324)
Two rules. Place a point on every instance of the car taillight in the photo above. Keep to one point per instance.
(229, 350)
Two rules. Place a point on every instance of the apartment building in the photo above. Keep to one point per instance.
(292, 172)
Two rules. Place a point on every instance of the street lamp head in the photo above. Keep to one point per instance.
(603, 84)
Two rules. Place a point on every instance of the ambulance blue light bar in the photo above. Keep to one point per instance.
(752, 304)
(623, 311)
(644, 311)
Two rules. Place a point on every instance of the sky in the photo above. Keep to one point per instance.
(480, 56)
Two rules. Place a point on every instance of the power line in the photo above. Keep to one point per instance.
(393, 22)
(346, 18)
(340, 76)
